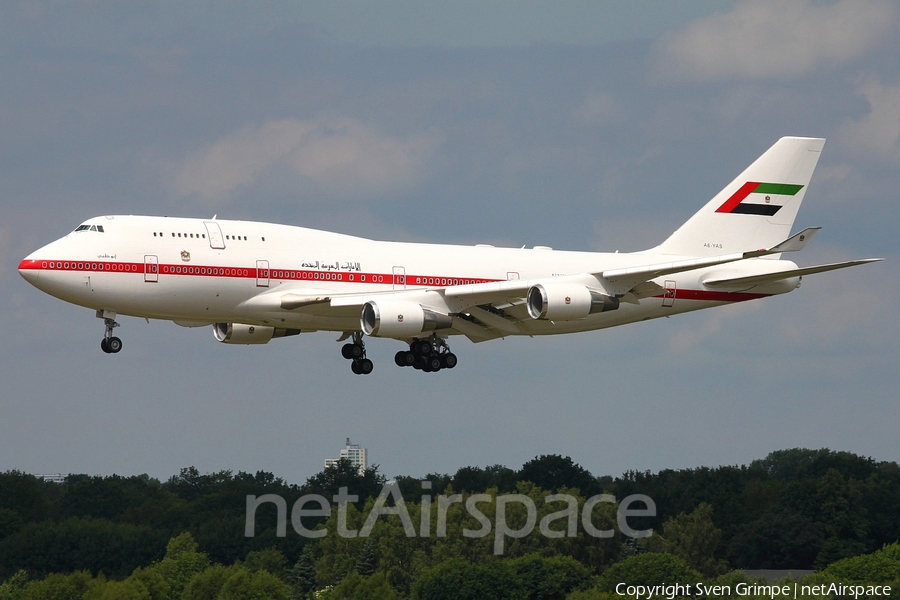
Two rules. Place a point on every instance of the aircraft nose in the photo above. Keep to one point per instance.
(29, 269)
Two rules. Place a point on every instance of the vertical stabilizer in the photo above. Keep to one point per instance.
(757, 209)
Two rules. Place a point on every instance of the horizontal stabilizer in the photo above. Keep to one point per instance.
(621, 281)
(787, 274)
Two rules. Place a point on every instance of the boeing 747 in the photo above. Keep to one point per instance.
(254, 282)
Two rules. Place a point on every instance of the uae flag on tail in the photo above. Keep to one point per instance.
(755, 198)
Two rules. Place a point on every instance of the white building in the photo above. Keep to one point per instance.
(358, 457)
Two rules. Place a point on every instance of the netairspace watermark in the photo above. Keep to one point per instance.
(501, 529)
(775, 592)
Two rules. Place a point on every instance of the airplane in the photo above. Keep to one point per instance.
(253, 282)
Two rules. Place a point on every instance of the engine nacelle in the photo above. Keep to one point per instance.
(566, 301)
(239, 333)
(400, 319)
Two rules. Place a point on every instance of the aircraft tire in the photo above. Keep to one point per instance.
(405, 358)
(365, 366)
(354, 366)
(449, 360)
(114, 345)
(103, 346)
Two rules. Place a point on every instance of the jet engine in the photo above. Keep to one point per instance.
(566, 301)
(239, 333)
(400, 319)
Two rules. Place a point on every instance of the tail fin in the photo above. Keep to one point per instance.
(757, 209)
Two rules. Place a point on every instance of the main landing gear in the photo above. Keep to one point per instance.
(355, 351)
(428, 355)
(425, 354)
(109, 344)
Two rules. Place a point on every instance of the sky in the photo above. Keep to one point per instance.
(582, 126)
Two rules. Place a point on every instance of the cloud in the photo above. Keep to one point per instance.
(339, 156)
(772, 38)
(600, 108)
(878, 132)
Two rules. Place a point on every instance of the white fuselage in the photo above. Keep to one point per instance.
(196, 272)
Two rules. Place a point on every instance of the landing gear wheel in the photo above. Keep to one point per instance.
(422, 347)
(362, 366)
(449, 360)
(405, 358)
(109, 343)
(434, 362)
(356, 353)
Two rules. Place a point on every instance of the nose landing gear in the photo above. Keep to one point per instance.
(109, 344)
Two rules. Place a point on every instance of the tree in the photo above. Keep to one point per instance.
(650, 568)
(358, 587)
(58, 587)
(267, 559)
(243, 584)
(207, 584)
(366, 563)
(459, 579)
(181, 563)
(878, 568)
(476, 479)
(303, 575)
(549, 578)
(328, 482)
(693, 537)
(25, 495)
(71, 545)
(781, 538)
(552, 472)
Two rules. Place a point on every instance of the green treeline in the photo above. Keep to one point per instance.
(137, 537)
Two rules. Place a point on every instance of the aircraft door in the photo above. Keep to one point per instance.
(399, 278)
(669, 296)
(151, 268)
(216, 240)
(262, 273)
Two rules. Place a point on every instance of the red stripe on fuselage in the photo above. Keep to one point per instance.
(276, 274)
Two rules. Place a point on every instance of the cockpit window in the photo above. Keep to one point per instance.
(98, 228)
(82, 228)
